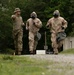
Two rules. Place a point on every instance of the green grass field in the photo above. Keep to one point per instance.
(16, 65)
(69, 51)
(24, 65)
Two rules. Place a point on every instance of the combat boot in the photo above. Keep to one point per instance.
(34, 51)
(19, 52)
(16, 52)
(31, 52)
(56, 51)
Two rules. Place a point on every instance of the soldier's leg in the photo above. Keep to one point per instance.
(54, 43)
(20, 42)
(31, 42)
(60, 45)
(15, 43)
(16, 46)
(35, 45)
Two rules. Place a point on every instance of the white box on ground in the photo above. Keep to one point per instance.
(40, 51)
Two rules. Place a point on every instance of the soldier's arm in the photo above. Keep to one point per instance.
(22, 22)
(38, 24)
(48, 23)
(27, 25)
(64, 24)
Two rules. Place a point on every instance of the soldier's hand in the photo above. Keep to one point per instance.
(23, 24)
(13, 17)
(27, 28)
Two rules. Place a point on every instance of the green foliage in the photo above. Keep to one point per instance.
(7, 58)
(8, 51)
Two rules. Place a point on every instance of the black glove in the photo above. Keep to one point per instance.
(63, 28)
(47, 26)
(33, 23)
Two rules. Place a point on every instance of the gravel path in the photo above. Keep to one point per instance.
(57, 58)
(62, 64)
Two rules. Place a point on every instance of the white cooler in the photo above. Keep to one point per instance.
(40, 51)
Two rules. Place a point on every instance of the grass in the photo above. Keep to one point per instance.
(69, 51)
(24, 65)
(15, 65)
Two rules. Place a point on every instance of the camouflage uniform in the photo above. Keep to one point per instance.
(17, 31)
(33, 25)
(56, 24)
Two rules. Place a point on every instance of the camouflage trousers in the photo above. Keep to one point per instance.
(17, 36)
(55, 45)
(32, 41)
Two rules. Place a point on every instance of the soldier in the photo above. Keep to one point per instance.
(17, 30)
(33, 24)
(56, 24)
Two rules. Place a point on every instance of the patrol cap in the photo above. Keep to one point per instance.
(17, 10)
